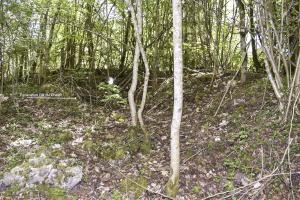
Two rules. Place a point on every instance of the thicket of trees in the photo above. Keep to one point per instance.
(46, 40)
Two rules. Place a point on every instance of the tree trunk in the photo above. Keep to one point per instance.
(155, 68)
(253, 34)
(125, 42)
(44, 22)
(243, 33)
(136, 60)
(2, 68)
(173, 183)
(2, 45)
(90, 43)
(50, 40)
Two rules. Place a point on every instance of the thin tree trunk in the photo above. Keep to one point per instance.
(2, 68)
(243, 33)
(44, 21)
(90, 43)
(155, 69)
(136, 60)
(173, 183)
(2, 45)
(50, 40)
(253, 33)
(125, 43)
(137, 27)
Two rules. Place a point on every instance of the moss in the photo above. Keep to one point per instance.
(137, 141)
(15, 158)
(107, 152)
(55, 136)
(116, 196)
(89, 145)
(57, 153)
(133, 184)
(172, 187)
(118, 117)
(120, 153)
(12, 191)
(196, 189)
(146, 146)
(53, 193)
(65, 136)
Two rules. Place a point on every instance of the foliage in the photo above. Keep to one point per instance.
(112, 94)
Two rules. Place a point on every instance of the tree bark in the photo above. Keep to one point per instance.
(173, 183)
(50, 39)
(125, 42)
(243, 33)
(136, 60)
(90, 43)
(255, 59)
(41, 53)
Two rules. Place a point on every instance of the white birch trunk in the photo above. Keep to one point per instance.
(136, 60)
(137, 28)
(173, 184)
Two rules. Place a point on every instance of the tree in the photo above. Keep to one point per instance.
(136, 60)
(253, 34)
(173, 183)
(243, 33)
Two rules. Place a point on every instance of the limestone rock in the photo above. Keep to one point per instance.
(75, 176)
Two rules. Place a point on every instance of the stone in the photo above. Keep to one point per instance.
(238, 101)
(75, 176)
(39, 175)
(77, 141)
(56, 146)
(15, 176)
(224, 123)
(37, 161)
(22, 143)
(12, 179)
(54, 177)
(42, 169)
(3, 98)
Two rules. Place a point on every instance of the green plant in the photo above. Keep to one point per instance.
(196, 189)
(116, 196)
(52, 192)
(112, 94)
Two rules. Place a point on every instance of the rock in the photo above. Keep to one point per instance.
(224, 123)
(56, 146)
(241, 179)
(37, 161)
(217, 139)
(75, 176)
(3, 98)
(43, 169)
(13, 177)
(54, 178)
(22, 143)
(77, 141)
(39, 175)
(165, 173)
(238, 101)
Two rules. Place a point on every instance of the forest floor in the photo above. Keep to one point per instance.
(234, 151)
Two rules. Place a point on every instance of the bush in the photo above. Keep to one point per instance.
(111, 94)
